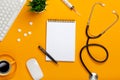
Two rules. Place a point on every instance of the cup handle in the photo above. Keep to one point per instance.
(13, 62)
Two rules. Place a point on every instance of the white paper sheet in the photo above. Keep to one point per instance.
(60, 40)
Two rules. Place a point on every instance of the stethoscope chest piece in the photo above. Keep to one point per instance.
(94, 76)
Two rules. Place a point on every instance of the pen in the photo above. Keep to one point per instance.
(46, 53)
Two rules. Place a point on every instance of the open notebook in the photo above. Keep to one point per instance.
(60, 40)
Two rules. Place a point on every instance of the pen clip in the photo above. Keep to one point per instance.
(43, 50)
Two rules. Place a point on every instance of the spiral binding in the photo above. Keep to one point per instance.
(61, 20)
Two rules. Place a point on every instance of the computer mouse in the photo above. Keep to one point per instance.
(34, 69)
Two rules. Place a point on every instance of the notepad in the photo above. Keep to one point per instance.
(60, 39)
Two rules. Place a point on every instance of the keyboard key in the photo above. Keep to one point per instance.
(8, 12)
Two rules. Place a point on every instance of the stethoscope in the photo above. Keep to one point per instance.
(94, 76)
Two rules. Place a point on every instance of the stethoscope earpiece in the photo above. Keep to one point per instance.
(113, 11)
(103, 5)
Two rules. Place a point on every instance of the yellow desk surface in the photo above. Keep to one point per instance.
(27, 48)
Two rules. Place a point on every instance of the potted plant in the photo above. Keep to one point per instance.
(37, 5)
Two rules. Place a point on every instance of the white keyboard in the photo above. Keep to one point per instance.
(9, 10)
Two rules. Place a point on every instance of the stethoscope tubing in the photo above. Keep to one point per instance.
(87, 48)
(88, 51)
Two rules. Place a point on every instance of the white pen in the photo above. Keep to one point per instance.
(69, 5)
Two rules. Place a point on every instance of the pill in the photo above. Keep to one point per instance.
(18, 39)
(25, 34)
(30, 23)
(29, 32)
(19, 30)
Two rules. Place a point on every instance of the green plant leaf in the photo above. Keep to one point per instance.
(37, 5)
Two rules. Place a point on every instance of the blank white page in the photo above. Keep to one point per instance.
(60, 40)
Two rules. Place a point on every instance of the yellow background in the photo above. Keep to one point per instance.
(27, 48)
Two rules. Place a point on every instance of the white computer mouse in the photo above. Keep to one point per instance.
(34, 69)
